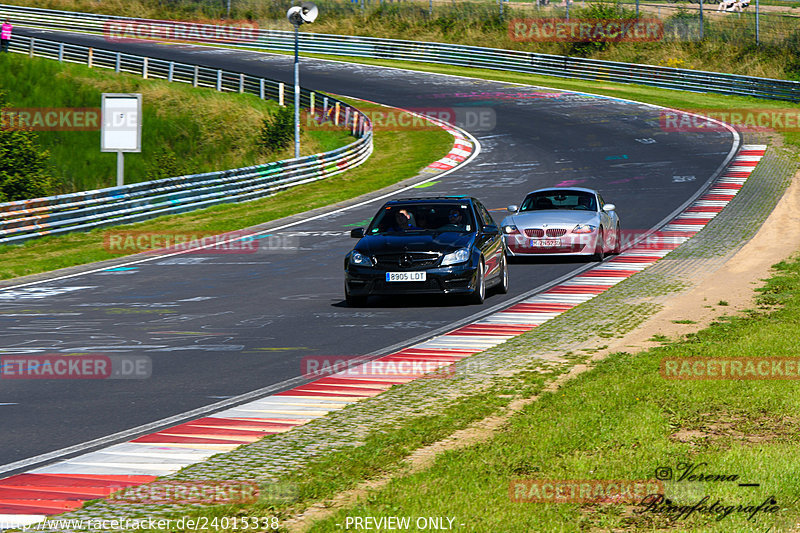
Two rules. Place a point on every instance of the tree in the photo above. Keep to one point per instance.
(23, 163)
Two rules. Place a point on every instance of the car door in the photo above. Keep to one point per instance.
(489, 239)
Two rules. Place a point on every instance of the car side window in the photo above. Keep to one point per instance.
(486, 218)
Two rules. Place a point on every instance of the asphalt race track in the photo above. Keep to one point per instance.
(219, 325)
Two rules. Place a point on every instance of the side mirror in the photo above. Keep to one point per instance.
(357, 233)
(512, 208)
(609, 207)
(491, 228)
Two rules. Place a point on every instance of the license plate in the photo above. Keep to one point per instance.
(546, 243)
(405, 276)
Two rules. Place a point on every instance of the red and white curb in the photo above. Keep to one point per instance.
(31, 497)
(462, 149)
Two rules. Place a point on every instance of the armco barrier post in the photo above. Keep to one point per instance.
(89, 58)
(311, 107)
(261, 88)
(241, 83)
(196, 75)
(144, 68)
(219, 80)
(117, 63)
(280, 94)
(171, 71)
(60, 52)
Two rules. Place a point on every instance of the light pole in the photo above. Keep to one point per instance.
(305, 13)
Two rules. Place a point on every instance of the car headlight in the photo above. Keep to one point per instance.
(510, 229)
(584, 228)
(459, 256)
(357, 258)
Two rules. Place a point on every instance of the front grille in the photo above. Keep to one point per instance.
(417, 260)
(534, 233)
(557, 232)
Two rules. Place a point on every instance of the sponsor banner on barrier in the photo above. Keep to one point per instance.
(705, 120)
(586, 30)
(717, 368)
(50, 118)
(89, 366)
(131, 30)
(582, 490)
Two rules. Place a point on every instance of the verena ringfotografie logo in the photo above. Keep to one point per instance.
(91, 366)
(586, 30)
(317, 366)
(131, 30)
(582, 490)
(50, 118)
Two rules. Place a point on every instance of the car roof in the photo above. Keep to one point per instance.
(578, 189)
(432, 199)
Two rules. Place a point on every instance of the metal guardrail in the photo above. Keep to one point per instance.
(454, 54)
(28, 219)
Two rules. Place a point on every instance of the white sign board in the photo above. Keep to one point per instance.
(121, 129)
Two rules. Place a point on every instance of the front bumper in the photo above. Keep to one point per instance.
(454, 279)
(579, 244)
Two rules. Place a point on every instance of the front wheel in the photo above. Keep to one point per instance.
(599, 247)
(479, 295)
(502, 288)
(354, 301)
(617, 241)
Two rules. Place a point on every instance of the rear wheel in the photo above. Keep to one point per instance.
(479, 295)
(599, 247)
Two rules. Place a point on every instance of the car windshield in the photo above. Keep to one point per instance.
(572, 200)
(422, 218)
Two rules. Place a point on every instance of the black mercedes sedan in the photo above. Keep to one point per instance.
(437, 245)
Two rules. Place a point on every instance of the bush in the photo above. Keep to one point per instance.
(164, 165)
(23, 164)
(597, 11)
(277, 131)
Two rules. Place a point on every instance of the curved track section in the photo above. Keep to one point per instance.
(218, 326)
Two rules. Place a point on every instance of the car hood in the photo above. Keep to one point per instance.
(553, 217)
(445, 242)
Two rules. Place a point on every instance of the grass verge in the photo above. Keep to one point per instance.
(185, 129)
(624, 421)
(385, 167)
